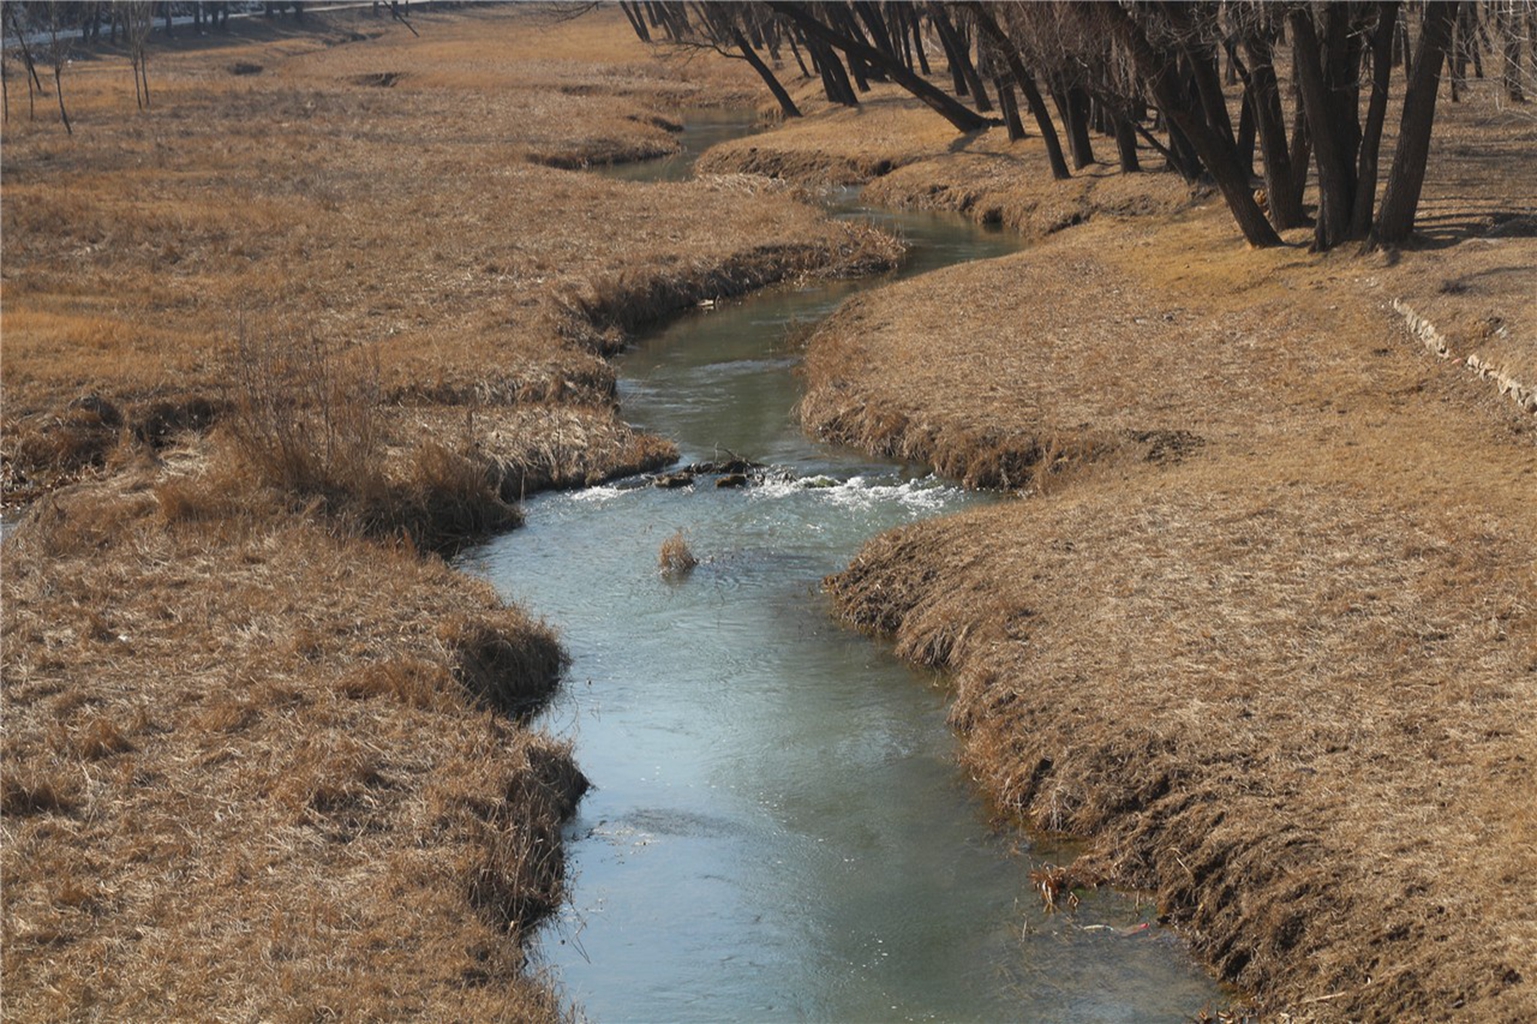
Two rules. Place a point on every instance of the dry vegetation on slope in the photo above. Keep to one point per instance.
(1286, 681)
(262, 345)
(1266, 627)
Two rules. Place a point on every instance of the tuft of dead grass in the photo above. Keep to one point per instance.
(675, 560)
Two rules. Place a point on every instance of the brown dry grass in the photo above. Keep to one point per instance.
(402, 224)
(263, 346)
(247, 773)
(1267, 627)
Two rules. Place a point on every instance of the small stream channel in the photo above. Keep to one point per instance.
(779, 830)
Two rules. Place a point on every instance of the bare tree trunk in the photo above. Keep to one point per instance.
(1509, 22)
(1246, 133)
(1401, 198)
(1376, 113)
(1301, 144)
(953, 56)
(1076, 114)
(871, 16)
(1010, 108)
(916, 26)
(1336, 186)
(636, 22)
(988, 26)
(796, 50)
(1126, 144)
(957, 114)
(786, 104)
(962, 56)
(57, 55)
(1270, 126)
(1216, 151)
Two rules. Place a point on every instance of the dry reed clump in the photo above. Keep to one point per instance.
(675, 561)
(513, 671)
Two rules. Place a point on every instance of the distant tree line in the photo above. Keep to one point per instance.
(1198, 83)
(45, 33)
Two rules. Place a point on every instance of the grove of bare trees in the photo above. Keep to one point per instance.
(1302, 89)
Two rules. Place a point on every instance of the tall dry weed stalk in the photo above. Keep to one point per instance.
(305, 424)
(308, 424)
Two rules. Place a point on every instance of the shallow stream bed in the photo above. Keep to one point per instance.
(779, 830)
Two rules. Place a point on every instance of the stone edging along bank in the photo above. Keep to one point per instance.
(1435, 342)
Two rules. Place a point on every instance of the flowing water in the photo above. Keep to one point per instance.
(779, 830)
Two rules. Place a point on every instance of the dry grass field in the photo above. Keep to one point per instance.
(1264, 624)
(334, 303)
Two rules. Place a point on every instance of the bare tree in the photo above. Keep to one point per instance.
(58, 56)
(139, 18)
(1401, 198)
(34, 83)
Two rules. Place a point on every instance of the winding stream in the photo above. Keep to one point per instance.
(779, 830)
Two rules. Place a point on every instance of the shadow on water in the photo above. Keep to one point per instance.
(779, 829)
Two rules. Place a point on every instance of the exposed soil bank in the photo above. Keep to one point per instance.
(265, 345)
(1267, 628)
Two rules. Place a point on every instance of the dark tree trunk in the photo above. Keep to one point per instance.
(1181, 154)
(1477, 38)
(898, 23)
(1246, 133)
(953, 56)
(786, 104)
(1336, 180)
(1301, 144)
(843, 21)
(1509, 27)
(835, 81)
(1126, 144)
(1401, 198)
(1010, 107)
(1077, 114)
(796, 50)
(1160, 71)
(988, 26)
(957, 114)
(636, 22)
(871, 16)
(1457, 56)
(915, 24)
(1270, 127)
(968, 69)
(1376, 113)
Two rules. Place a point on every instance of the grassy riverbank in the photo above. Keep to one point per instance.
(330, 306)
(1265, 627)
